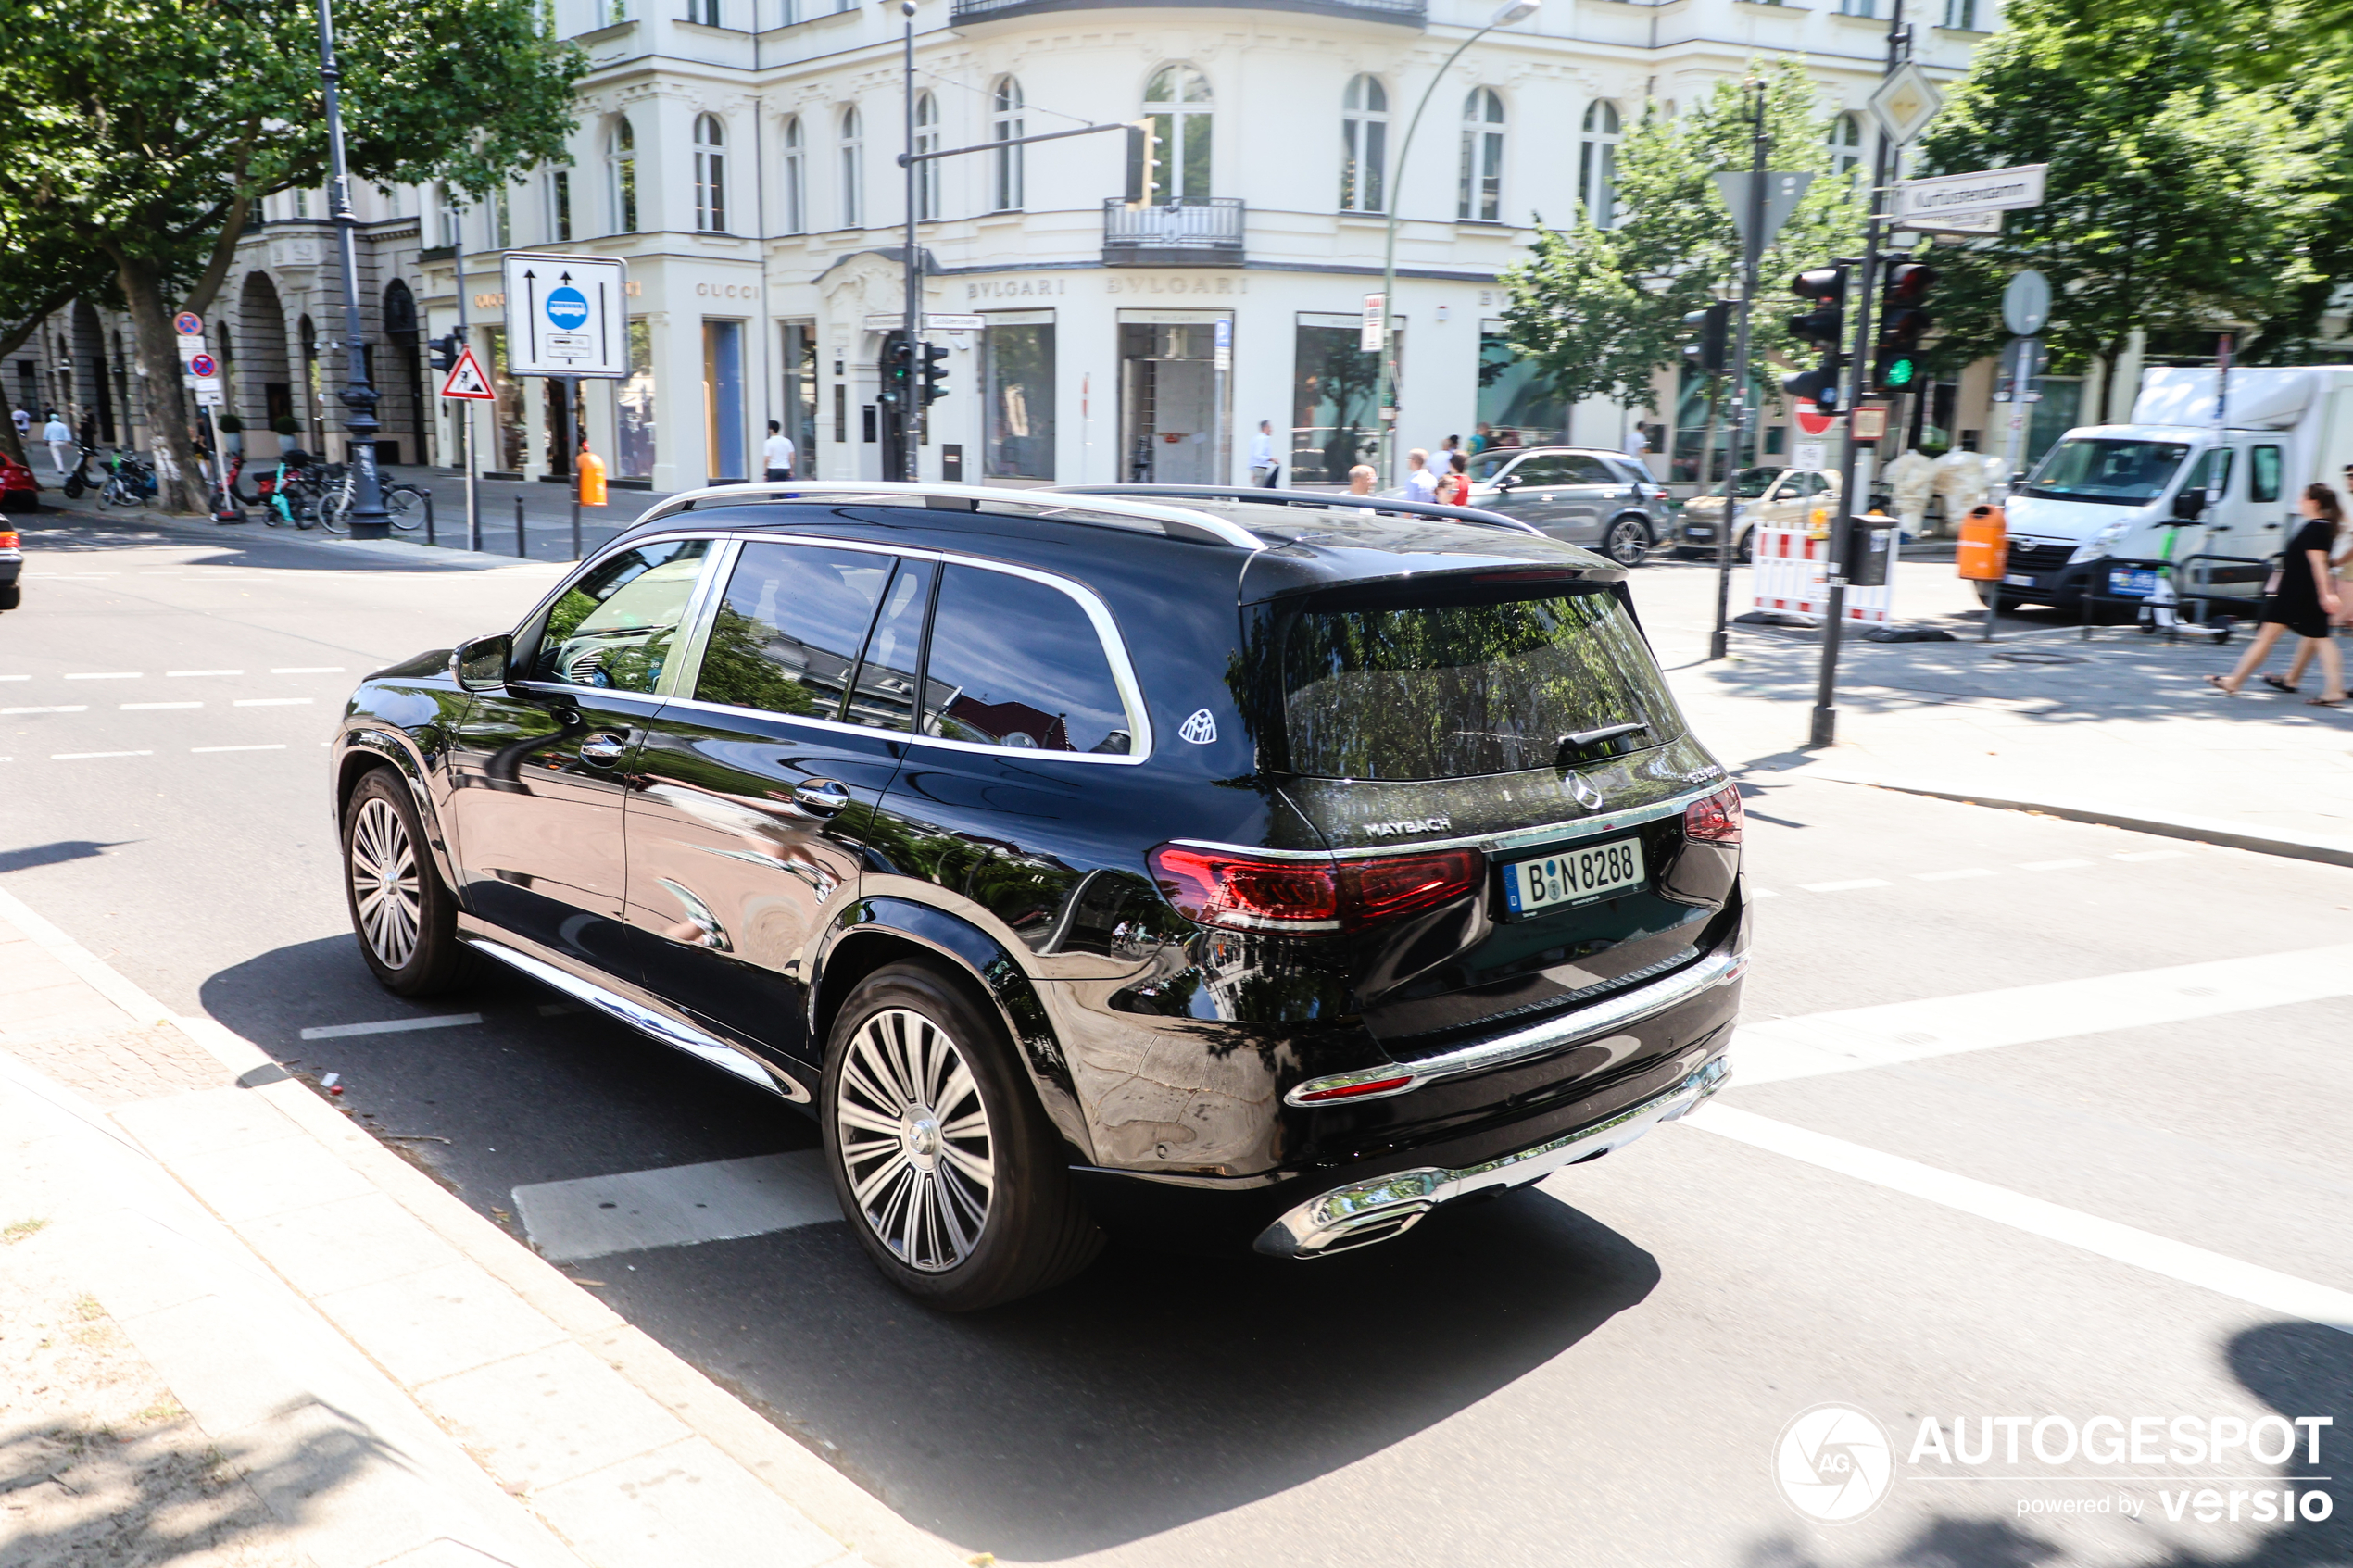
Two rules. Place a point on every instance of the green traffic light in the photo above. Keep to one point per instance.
(1899, 373)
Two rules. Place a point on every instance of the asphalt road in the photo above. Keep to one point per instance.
(2058, 1203)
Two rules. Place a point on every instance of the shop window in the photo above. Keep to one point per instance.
(1017, 374)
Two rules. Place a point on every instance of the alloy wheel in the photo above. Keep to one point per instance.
(915, 1140)
(385, 889)
(1628, 542)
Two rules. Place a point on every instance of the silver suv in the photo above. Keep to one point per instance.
(1580, 494)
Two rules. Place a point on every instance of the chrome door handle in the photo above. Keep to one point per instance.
(604, 748)
(822, 795)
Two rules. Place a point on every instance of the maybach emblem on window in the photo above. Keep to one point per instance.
(1200, 729)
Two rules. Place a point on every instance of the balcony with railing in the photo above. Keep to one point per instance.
(1401, 13)
(1180, 234)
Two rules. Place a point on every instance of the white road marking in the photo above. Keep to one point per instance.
(719, 1201)
(309, 670)
(2151, 855)
(15, 677)
(199, 749)
(182, 673)
(1843, 887)
(105, 675)
(1762, 892)
(1950, 876)
(390, 1026)
(2051, 865)
(269, 701)
(76, 707)
(151, 706)
(1880, 1036)
(86, 756)
(2241, 1281)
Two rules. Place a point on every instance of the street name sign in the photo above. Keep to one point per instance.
(466, 378)
(565, 315)
(1969, 223)
(1990, 190)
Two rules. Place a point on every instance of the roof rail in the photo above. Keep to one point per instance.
(1180, 522)
(1324, 499)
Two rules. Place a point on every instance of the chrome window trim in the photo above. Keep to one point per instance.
(1718, 967)
(1107, 636)
(686, 661)
(1518, 838)
(1225, 529)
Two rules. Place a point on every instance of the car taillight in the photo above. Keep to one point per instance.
(10, 539)
(1715, 820)
(1309, 897)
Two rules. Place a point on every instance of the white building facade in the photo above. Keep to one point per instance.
(742, 155)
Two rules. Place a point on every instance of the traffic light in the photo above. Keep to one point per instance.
(1704, 352)
(1825, 324)
(1896, 360)
(445, 353)
(935, 373)
(897, 370)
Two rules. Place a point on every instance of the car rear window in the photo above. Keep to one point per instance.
(1013, 662)
(1484, 680)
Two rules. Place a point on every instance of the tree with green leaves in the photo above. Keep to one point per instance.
(145, 130)
(2188, 175)
(1600, 312)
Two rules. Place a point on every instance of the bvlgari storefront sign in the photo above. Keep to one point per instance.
(1123, 284)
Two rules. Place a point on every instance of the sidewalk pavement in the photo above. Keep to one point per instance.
(236, 1329)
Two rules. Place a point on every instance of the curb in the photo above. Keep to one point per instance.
(2202, 830)
(797, 1478)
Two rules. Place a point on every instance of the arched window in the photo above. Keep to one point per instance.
(1176, 99)
(1846, 144)
(621, 157)
(711, 174)
(853, 170)
(1005, 164)
(1597, 163)
(796, 180)
(926, 141)
(1481, 195)
(1363, 145)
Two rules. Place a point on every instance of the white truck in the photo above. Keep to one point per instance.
(2173, 483)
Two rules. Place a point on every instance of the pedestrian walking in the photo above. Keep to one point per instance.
(1362, 478)
(1453, 486)
(2341, 563)
(2302, 598)
(1446, 450)
(1264, 470)
(63, 449)
(1421, 483)
(23, 423)
(1482, 438)
(777, 455)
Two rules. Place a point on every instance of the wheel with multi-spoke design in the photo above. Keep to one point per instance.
(1628, 542)
(404, 915)
(955, 1181)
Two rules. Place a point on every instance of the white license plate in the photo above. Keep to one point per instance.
(1573, 876)
(2019, 580)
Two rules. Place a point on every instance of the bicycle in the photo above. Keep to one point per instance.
(293, 492)
(403, 504)
(129, 483)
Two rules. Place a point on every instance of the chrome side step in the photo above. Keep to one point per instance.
(645, 1020)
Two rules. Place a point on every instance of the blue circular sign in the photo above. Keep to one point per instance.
(568, 307)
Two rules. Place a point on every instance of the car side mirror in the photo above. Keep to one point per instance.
(2190, 505)
(1506, 481)
(481, 663)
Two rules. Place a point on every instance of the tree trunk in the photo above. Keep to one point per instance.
(155, 356)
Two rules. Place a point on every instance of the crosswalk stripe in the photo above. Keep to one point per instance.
(1895, 1032)
(721, 1200)
(2241, 1281)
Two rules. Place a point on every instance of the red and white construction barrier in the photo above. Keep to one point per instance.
(1789, 574)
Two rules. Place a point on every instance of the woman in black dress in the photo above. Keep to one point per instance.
(2304, 601)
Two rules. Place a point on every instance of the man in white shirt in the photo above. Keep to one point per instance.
(1638, 445)
(64, 450)
(777, 455)
(1421, 485)
(1262, 466)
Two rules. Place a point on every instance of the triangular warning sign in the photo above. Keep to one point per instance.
(466, 378)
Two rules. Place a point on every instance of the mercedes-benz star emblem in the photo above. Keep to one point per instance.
(1588, 793)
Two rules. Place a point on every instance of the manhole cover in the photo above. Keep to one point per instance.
(2037, 655)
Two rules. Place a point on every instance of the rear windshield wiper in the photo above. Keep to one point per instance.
(1584, 738)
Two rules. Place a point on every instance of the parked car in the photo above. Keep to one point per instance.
(1775, 497)
(20, 492)
(1239, 874)
(11, 568)
(1603, 499)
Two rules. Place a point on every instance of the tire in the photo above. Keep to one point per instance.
(409, 935)
(405, 508)
(12, 596)
(1004, 1172)
(1627, 541)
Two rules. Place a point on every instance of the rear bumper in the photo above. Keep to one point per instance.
(11, 565)
(1366, 1212)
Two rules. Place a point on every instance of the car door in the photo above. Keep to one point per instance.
(1538, 481)
(757, 788)
(541, 769)
(1589, 499)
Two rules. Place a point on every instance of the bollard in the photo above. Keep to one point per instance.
(429, 538)
(519, 548)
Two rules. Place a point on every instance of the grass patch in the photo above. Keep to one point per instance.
(11, 1235)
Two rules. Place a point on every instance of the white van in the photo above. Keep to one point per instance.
(2172, 484)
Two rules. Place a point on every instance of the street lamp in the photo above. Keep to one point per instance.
(368, 518)
(1509, 12)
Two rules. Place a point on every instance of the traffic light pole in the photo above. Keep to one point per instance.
(1855, 464)
(910, 427)
(1752, 252)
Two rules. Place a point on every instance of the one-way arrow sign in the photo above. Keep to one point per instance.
(566, 315)
(466, 378)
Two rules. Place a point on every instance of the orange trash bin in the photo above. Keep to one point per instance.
(1984, 555)
(592, 479)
